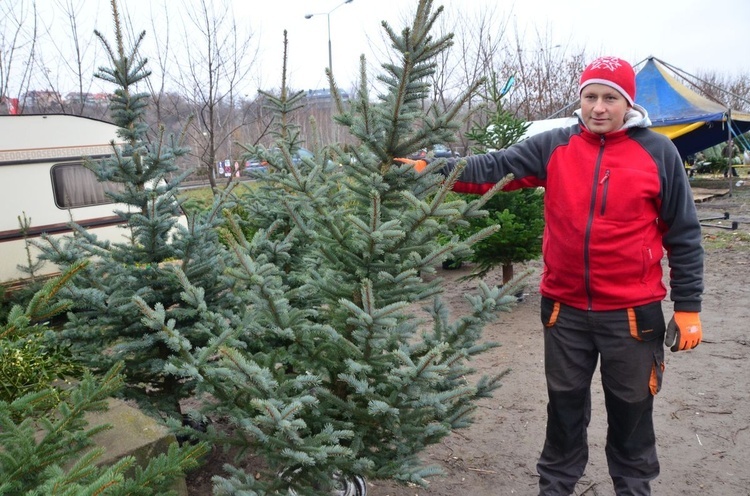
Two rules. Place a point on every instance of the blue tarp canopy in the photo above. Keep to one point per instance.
(691, 121)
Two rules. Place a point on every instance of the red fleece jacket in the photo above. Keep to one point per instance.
(613, 203)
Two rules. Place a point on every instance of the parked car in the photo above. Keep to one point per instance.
(257, 165)
(437, 151)
(419, 154)
(441, 151)
(253, 165)
(300, 154)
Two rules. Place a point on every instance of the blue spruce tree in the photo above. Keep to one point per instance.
(337, 376)
(105, 325)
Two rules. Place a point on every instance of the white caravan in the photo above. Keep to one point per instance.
(43, 179)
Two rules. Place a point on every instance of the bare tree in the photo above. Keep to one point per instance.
(160, 62)
(541, 76)
(18, 41)
(545, 75)
(476, 54)
(69, 62)
(217, 59)
(738, 92)
(732, 91)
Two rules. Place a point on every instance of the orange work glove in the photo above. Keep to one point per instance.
(684, 331)
(419, 165)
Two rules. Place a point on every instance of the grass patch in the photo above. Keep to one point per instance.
(198, 199)
(727, 240)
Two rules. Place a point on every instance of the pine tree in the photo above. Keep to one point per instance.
(50, 450)
(338, 375)
(29, 362)
(105, 325)
(46, 444)
(520, 213)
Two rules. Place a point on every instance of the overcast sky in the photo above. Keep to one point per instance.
(693, 35)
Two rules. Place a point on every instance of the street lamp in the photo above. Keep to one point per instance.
(328, 14)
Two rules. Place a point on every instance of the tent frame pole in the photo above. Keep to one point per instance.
(730, 144)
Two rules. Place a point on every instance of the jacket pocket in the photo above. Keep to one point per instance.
(550, 311)
(647, 322)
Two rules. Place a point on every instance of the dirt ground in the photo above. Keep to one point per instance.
(702, 414)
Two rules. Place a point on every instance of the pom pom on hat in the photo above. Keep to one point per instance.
(613, 72)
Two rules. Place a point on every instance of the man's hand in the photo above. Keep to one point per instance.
(419, 165)
(684, 331)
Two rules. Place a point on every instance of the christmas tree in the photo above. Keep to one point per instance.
(105, 324)
(519, 214)
(328, 371)
(46, 444)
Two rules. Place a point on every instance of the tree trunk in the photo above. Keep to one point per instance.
(211, 178)
(507, 272)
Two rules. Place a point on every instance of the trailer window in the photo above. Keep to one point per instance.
(76, 186)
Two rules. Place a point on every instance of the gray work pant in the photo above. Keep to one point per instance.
(630, 344)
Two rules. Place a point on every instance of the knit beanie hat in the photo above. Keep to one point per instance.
(612, 72)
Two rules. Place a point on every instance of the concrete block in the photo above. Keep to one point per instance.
(133, 433)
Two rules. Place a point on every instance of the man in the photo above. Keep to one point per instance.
(616, 197)
(730, 151)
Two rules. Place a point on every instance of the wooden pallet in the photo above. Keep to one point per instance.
(702, 194)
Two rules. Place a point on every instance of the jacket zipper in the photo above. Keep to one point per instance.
(589, 223)
(605, 184)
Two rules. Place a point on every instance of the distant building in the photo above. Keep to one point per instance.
(41, 100)
(323, 96)
(101, 98)
(76, 98)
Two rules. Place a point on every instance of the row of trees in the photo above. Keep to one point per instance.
(202, 64)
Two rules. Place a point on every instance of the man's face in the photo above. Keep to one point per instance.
(603, 108)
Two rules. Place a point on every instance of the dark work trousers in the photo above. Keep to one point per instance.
(630, 343)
